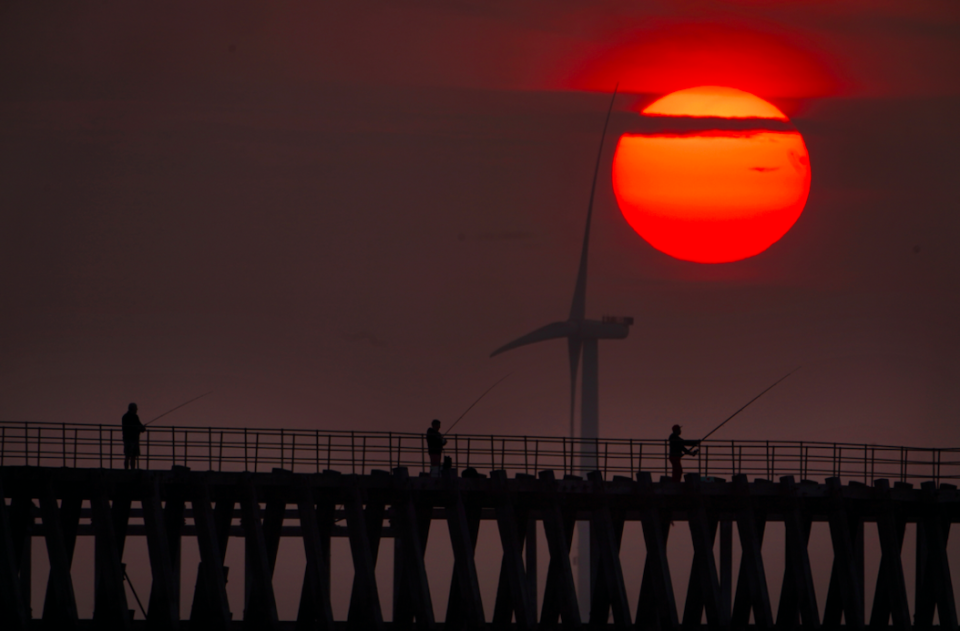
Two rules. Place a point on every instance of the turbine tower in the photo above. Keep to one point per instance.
(582, 337)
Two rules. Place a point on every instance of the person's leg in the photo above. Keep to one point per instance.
(677, 468)
(435, 464)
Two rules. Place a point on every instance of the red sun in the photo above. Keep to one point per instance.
(720, 177)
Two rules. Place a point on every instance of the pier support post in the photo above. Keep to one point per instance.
(797, 596)
(751, 523)
(464, 607)
(13, 611)
(110, 598)
(315, 597)
(261, 611)
(60, 606)
(657, 605)
(890, 596)
(934, 584)
(845, 593)
(609, 590)
(411, 589)
(560, 592)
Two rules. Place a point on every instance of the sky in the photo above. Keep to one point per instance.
(331, 214)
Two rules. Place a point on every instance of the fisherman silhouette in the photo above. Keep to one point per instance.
(435, 443)
(132, 428)
(678, 448)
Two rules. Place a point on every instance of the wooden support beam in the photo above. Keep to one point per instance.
(934, 584)
(797, 595)
(366, 610)
(530, 553)
(845, 578)
(14, 614)
(693, 605)
(456, 611)
(164, 610)
(726, 565)
(373, 514)
(272, 526)
(70, 507)
(601, 603)
(509, 527)
(215, 611)
(411, 586)
(315, 610)
(62, 610)
(751, 525)
(120, 514)
(503, 606)
(700, 533)
(560, 592)
(172, 517)
(21, 527)
(609, 590)
(890, 596)
(261, 610)
(465, 607)
(204, 603)
(657, 605)
(110, 598)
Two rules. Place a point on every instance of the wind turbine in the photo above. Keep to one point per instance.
(582, 337)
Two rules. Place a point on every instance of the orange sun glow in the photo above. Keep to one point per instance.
(716, 191)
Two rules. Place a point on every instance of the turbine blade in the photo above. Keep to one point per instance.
(549, 332)
(578, 309)
(573, 346)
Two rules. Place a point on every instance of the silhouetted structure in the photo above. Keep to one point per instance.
(583, 335)
(260, 508)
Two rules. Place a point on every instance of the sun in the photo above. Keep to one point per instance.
(716, 175)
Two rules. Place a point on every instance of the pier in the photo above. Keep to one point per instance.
(216, 485)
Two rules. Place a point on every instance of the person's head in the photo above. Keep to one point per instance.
(132, 407)
(435, 424)
(676, 429)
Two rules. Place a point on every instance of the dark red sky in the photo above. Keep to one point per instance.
(330, 216)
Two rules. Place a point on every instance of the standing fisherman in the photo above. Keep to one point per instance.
(435, 443)
(678, 448)
(132, 428)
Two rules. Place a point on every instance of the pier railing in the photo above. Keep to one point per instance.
(305, 451)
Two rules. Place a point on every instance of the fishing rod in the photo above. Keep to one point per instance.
(751, 401)
(130, 583)
(476, 402)
(180, 406)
